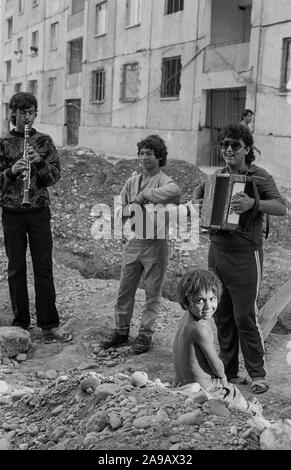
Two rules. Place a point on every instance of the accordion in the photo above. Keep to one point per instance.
(220, 190)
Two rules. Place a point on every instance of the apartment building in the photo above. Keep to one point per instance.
(108, 72)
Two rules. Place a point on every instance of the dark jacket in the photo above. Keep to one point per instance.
(43, 174)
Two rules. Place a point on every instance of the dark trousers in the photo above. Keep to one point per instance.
(33, 227)
(236, 317)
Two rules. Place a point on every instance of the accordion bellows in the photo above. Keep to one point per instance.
(220, 190)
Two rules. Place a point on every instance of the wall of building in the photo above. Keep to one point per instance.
(114, 126)
(120, 141)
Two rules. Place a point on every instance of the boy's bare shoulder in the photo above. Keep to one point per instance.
(199, 330)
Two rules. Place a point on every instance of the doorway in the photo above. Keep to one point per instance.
(73, 119)
(223, 106)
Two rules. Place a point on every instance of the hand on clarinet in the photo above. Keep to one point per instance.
(242, 204)
(33, 155)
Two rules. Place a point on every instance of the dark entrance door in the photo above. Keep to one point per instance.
(223, 106)
(73, 119)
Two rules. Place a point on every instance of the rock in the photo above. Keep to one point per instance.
(91, 439)
(217, 408)
(51, 374)
(148, 421)
(21, 357)
(191, 418)
(97, 422)
(277, 436)
(20, 392)
(258, 424)
(33, 429)
(3, 387)
(114, 421)
(4, 444)
(285, 413)
(90, 382)
(13, 341)
(105, 390)
(233, 430)
(139, 379)
(56, 411)
(58, 433)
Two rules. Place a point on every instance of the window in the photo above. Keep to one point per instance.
(130, 82)
(20, 6)
(77, 5)
(98, 85)
(286, 65)
(54, 36)
(171, 75)
(132, 12)
(7, 112)
(75, 52)
(32, 87)
(34, 43)
(9, 28)
(52, 96)
(101, 10)
(174, 5)
(8, 70)
(19, 50)
(17, 87)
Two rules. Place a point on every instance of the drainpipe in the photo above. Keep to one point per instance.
(114, 61)
(149, 64)
(258, 61)
(44, 75)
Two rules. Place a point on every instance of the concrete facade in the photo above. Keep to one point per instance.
(222, 44)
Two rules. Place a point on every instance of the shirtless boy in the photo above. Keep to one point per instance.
(195, 356)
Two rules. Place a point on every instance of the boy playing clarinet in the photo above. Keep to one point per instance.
(31, 222)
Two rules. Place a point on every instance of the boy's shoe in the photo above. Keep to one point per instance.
(113, 340)
(141, 344)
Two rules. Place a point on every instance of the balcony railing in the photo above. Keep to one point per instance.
(221, 57)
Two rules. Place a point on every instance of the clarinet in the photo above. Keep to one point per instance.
(26, 174)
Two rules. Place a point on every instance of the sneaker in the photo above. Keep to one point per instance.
(114, 339)
(141, 344)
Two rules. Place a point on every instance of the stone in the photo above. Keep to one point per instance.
(97, 422)
(13, 341)
(285, 413)
(277, 436)
(57, 410)
(147, 421)
(90, 382)
(91, 440)
(114, 421)
(3, 387)
(20, 392)
(191, 418)
(139, 379)
(51, 374)
(104, 390)
(21, 357)
(4, 444)
(217, 408)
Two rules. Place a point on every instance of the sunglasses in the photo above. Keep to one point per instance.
(234, 145)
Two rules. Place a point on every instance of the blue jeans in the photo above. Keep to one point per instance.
(34, 227)
(147, 257)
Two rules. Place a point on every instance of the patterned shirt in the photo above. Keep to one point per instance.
(43, 174)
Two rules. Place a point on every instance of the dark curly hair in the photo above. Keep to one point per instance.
(238, 131)
(21, 100)
(157, 144)
(195, 281)
(246, 112)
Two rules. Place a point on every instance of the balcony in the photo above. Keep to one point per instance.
(227, 56)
